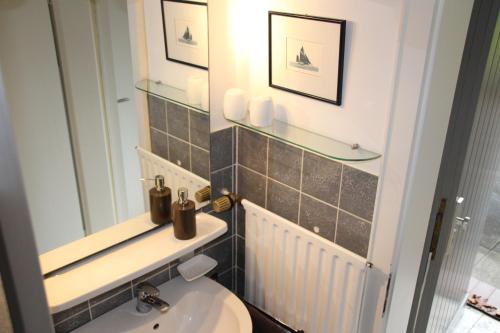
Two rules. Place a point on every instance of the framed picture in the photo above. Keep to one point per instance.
(306, 55)
(185, 30)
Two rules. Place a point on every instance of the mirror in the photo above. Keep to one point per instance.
(112, 105)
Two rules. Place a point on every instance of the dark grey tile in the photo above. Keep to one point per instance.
(178, 152)
(220, 180)
(353, 234)
(282, 200)
(108, 294)
(155, 279)
(284, 163)
(149, 275)
(252, 150)
(223, 253)
(321, 178)
(240, 221)
(221, 149)
(159, 143)
(227, 217)
(316, 214)
(157, 113)
(240, 282)
(251, 186)
(200, 162)
(359, 190)
(73, 323)
(63, 315)
(240, 252)
(111, 303)
(177, 121)
(199, 129)
(173, 270)
(226, 279)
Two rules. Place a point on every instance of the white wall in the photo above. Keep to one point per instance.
(28, 67)
(369, 69)
(170, 73)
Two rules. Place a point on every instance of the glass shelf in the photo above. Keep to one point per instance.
(310, 141)
(169, 93)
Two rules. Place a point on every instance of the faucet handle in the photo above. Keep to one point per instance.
(146, 289)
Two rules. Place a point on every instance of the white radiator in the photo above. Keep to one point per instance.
(299, 277)
(175, 176)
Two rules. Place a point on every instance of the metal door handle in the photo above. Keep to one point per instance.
(463, 222)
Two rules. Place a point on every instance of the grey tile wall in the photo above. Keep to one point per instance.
(327, 197)
(180, 135)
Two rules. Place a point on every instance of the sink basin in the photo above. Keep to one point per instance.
(200, 306)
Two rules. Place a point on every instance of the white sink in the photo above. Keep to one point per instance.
(201, 306)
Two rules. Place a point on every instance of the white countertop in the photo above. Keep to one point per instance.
(126, 262)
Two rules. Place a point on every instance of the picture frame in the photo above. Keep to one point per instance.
(306, 55)
(185, 32)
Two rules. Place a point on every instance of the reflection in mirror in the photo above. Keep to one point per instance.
(84, 149)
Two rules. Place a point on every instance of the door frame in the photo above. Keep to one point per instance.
(19, 266)
(475, 55)
(476, 51)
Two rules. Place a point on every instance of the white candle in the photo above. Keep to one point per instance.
(261, 111)
(235, 107)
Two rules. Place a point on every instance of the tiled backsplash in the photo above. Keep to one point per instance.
(180, 135)
(327, 197)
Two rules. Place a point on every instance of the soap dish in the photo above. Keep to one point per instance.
(196, 267)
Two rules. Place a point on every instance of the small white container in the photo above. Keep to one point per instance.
(193, 90)
(235, 106)
(261, 111)
(205, 99)
(196, 267)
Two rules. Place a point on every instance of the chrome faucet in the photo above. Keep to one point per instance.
(147, 298)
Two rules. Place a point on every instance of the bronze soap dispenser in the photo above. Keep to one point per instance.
(183, 216)
(160, 202)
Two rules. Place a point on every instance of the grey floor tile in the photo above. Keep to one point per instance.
(353, 234)
(318, 217)
(468, 319)
(285, 163)
(321, 178)
(481, 254)
(200, 162)
(199, 129)
(488, 269)
(282, 200)
(252, 150)
(251, 186)
(178, 152)
(486, 325)
(358, 192)
(159, 143)
(177, 121)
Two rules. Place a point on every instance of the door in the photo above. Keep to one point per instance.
(470, 161)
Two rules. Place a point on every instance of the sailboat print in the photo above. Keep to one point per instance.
(302, 61)
(187, 37)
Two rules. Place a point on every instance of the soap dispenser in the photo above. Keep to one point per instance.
(160, 201)
(183, 215)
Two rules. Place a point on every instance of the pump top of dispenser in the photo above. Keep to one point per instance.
(182, 192)
(160, 183)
